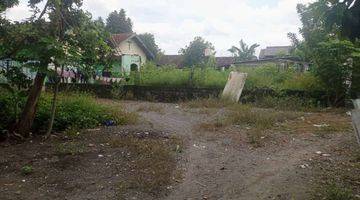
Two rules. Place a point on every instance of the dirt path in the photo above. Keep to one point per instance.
(222, 168)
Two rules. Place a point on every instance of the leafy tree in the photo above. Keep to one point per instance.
(194, 53)
(346, 16)
(149, 41)
(244, 52)
(335, 59)
(67, 38)
(118, 22)
(5, 4)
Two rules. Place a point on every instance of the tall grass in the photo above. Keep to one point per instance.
(170, 76)
(267, 76)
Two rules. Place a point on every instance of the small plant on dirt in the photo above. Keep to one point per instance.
(27, 170)
(256, 137)
(72, 132)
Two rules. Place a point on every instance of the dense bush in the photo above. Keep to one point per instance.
(73, 111)
(270, 76)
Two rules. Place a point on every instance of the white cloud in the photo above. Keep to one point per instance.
(175, 23)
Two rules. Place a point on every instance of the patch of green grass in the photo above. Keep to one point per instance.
(333, 192)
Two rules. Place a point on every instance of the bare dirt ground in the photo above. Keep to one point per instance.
(223, 165)
(214, 165)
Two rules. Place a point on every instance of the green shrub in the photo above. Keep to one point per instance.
(9, 107)
(78, 111)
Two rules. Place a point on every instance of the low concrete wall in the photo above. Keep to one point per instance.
(174, 94)
(148, 93)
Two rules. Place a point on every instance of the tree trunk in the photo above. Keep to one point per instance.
(53, 110)
(53, 104)
(28, 114)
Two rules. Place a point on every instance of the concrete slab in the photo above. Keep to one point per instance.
(357, 104)
(234, 86)
(355, 115)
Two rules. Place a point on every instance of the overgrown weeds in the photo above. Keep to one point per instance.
(258, 118)
(290, 103)
(256, 122)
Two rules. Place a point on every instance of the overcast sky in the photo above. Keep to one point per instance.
(223, 22)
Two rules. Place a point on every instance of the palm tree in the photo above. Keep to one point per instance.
(244, 52)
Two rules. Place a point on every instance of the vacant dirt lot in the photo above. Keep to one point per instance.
(171, 155)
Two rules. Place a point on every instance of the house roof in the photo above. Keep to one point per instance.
(116, 39)
(225, 61)
(170, 60)
(273, 51)
(177, 60)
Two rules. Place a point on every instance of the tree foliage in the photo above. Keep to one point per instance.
(118, 22)
(345, 15)
(194, 53)
(329, 44)
(149, 41)
(68, 37)
(5, 4)
(244, 52)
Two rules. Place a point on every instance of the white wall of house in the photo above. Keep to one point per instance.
(132, 49)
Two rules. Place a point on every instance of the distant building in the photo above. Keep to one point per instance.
(275, 51)
(130, 51)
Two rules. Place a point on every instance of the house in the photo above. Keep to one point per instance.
(130, 52)
(275, 51)
(225, 62)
